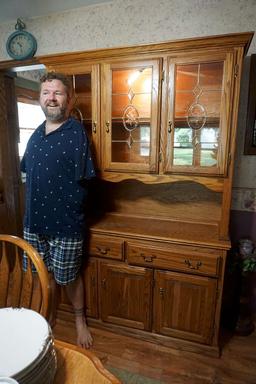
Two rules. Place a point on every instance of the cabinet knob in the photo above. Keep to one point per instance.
(107, 126)
(196, 266)
(94, 126)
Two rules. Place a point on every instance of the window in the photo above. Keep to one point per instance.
(30, 117)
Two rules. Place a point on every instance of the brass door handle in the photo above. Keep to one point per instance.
(94, 126)
(107, 126)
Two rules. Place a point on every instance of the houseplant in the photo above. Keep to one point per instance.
(247, 265)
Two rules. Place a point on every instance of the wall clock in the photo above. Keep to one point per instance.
(21, 44)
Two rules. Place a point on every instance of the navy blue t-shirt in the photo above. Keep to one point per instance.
(55, 164)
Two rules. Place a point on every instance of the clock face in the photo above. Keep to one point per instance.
(21, 45)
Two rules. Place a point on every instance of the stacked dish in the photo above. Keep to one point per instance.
(7, 380)
(26, 347)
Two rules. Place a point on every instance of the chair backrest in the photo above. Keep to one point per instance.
(19, 287)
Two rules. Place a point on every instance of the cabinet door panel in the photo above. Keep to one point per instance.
(90, 277)
(130, 116)
(185, 306)
(126, 295)
(198, 106)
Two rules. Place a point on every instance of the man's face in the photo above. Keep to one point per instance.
(54, 100)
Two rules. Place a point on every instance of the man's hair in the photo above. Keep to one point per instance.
(66, 81)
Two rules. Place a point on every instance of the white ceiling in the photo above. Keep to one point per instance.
(12, 9)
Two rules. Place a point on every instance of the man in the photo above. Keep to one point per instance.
(57, 161)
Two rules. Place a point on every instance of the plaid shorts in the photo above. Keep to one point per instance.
(62, 255)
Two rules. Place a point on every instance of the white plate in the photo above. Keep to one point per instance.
(23, 335)
(7, 380)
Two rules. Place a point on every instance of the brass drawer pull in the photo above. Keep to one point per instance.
(191, 266)
(102, 251)
(147, 259)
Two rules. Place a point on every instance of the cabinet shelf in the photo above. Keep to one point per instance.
(169, 231)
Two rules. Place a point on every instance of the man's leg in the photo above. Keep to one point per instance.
(75, 292)
(54, 301)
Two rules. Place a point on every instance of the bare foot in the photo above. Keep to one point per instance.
(84, 337)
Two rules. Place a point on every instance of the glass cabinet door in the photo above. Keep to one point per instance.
(198, 115)
(85, 103)
(130, 116)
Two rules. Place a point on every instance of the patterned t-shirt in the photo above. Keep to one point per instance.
(55, 164)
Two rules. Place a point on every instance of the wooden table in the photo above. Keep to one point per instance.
(78, 366)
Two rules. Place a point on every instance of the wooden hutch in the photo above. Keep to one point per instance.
(162, 121)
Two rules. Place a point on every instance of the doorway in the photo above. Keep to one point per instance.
(19, 90)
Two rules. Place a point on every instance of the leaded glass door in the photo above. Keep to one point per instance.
(85, 101)
(197, 126)
(130, 116)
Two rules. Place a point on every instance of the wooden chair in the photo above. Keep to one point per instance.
(20, 288)
(77, 365)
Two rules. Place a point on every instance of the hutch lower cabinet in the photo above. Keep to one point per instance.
(162, 124)
(161, 290)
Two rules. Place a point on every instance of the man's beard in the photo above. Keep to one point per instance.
(54, 114)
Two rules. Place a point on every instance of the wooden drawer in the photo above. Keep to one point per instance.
(107, 247)
(175, 257)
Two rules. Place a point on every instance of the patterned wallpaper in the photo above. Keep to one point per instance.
(244, 199)
(244, 182)
(129, 22)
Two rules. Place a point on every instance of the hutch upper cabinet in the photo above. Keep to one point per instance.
(161, 109)
(162, 122)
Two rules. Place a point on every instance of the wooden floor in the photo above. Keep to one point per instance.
(237, 364)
